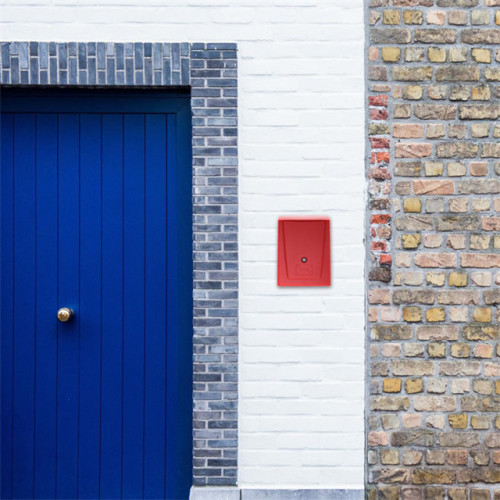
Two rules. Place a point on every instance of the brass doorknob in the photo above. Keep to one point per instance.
(64, 314)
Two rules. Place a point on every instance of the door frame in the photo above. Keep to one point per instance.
(208, 71)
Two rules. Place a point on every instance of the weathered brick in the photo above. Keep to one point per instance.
(445, 332)
(459, 93)
(492, 297)
(490, 150)
(480, 36)
(436, 260)
(412, 314)
(410, 241)
(458, 297)
(433, 476)
(481, 56)
(391, 17)
(389, 403)
(435, 314)
(434, 403)
(412, 368)
(426, 187)
(458, 421)
(412, 150)
(457, 439)
(490, 223)
(378, 438)
(436, 17)
(457, 150)
(393, 35)
(457, 457)
(414, 223)
(408, 130)
(392, 332)
(479, 111)
(412, 205)
(457, 222)
(480, 260)
(477, 186)
(435, 111)
(457, 74)
(458, 54)
(391, 54)
(436, 54)
(435, 35)
(481, 332)
(457, 3)
(412, 438)
(391, 385)
(414, 54)
(413, 17)
(481, 93)
(390, 475)
(458, 279)
(413, 74)
(413, 297)
(479, 475)
(457, 17)
(459, 368)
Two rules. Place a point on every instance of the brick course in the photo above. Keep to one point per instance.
(434, 337)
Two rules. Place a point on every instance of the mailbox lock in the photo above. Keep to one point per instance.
(304, 259)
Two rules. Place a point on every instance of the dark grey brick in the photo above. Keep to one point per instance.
(82, 56)
(120, 56)
(34, 70)
(23, 55)
(92, 71)
(44, 55)
(53, 70)
(101, 56)
(73, 80)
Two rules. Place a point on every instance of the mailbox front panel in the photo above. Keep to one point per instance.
(304, 251)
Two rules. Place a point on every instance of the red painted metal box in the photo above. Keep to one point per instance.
(304, 251)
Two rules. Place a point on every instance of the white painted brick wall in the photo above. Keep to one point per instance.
(301, 151)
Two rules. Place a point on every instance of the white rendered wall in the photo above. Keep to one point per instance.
(301, 146)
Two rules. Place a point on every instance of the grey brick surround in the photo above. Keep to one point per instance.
(210, 70)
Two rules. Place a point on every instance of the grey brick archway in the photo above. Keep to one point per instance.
(210, 70)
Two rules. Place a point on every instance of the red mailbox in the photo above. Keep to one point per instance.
(304, 251)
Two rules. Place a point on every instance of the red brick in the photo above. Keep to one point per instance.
(380, 218)
(378, 100)
(378, 114)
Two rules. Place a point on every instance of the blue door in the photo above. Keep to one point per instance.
(96, 217)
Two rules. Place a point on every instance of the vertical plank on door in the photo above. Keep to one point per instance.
(179, 305)
(90, 305)
(7, 281)
(68, 333)
(156, 278)
(133, 333)
(112, 304)
(171, 421)
(24, 304)
(182, 377)
(46, 305)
